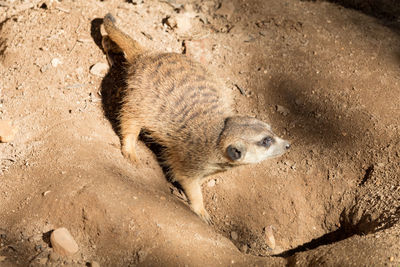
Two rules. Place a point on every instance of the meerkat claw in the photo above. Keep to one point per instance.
(205, 217)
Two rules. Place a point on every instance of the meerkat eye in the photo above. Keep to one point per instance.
(266, 142)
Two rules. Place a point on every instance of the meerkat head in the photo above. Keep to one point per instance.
(246, 140)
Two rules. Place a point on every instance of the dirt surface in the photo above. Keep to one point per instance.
(326, 77)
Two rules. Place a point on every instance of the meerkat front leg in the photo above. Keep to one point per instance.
(129, 136)
(192, 188)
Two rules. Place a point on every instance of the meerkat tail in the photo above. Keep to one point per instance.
(129, 46)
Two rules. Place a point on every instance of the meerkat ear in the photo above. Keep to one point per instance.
(234, 153)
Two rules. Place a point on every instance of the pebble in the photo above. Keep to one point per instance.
(211, 183)
(84, 40)
(55, 62)
(234, 235)
(42, 261)
(244, 248)
(269, 237)
(282, 110)
(142, 255)
(3, 258)
(94, 264)
(99, 69)
(227, 8)
(4, 3)
(199, 50)
(7, 131)
(170, 22)
(241, 90)
(298, 102)
(44, 68)
(54, 256)
(63, 243)
(181, 23)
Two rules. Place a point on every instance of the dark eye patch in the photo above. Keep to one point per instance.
(266, 142)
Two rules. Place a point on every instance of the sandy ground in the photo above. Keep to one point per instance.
(326, 77)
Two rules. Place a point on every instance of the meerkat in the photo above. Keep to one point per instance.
(184, 108)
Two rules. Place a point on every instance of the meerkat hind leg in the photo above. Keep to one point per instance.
(129, 137)
(192, 188)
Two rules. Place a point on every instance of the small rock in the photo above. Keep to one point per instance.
(244, 248)
(170, 22)
(136, 2)
(282, 110)
(53, 256)
(183, 23)
(7, 131)
(269, 237)
(3, 258)
(55, 62)
(63, 243)
(141, 255)
(211, 183)
(226, 9)
(99, 69)
(241, 90)
(263, 33)
(79, 71)
(84, 40)
(37, 238)
(298, 102)
(199, 50)
(250, 38)
(42, 261)
(94, 264)
(44, 68)
(234, 235)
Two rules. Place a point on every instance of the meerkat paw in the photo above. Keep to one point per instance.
(192, 190)
(203, 214)
(129, 154)
(128, 147)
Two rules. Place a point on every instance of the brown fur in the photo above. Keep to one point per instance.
(184, 108)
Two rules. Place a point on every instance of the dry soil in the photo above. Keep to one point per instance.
(325, 76)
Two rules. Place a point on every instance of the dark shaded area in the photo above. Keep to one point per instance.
(368, 175)
(2, 40)
(326, 239)
(46, 237)
(316, 119)
(95, 31)
(366, 223)
(113, 85)
(382, 9)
